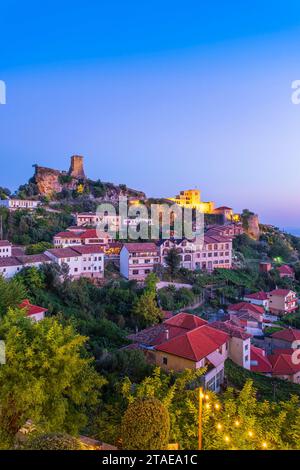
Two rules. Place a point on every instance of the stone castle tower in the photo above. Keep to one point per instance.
(76, 169)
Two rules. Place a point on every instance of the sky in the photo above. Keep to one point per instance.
(161, 95)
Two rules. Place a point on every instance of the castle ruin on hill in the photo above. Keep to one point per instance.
(49, 180)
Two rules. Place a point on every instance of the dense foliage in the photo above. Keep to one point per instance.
(145, 425)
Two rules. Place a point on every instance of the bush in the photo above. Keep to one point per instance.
(145, 425)
(53, 441)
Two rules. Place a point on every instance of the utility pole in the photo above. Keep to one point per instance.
(1, 228)
(200, 418)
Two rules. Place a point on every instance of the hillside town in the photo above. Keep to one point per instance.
(223, 307)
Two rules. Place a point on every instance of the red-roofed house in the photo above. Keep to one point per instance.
(35, 312)
(285, 367)
(201, 347)
(239, 342)
(285, 338)
(82, 260)
(247, 307)
(137, 260)
(282, 301)
(286, 271)
(258, 298)
(81, 237)
(259, 361)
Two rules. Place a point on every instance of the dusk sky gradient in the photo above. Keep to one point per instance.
(161, 95)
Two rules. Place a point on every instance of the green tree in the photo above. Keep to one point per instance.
(173, 261)
(145, 425)
(12, 292)
(38, 248)
(46, 377)
(145, 309)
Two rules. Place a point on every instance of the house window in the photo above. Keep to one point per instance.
(246, 358)
(246, 347)
(135, 271)
(165, 360)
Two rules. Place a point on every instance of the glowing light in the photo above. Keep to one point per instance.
(250, 434)
(217, 406)
(219, 426)
(207, 405)
(227, 438)
(206, 397)
(237, 423)
(264, 445)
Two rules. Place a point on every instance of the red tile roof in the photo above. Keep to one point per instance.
(5, 243)
(257, 296)
(281, 292)
(259, 361)
(283, 364)
(247, 307)
(68, 235)
(31, 309)
(63, 252)
(231, 329)
(285, 269)
(196, 344)
(141, 247)
(186, 321)
(88, 249)
(288, 334)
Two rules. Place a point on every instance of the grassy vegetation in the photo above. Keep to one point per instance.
(268, 388)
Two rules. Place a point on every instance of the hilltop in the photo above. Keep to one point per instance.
(52, 185)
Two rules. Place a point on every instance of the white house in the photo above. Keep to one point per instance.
(83, 261)
(34, 312)
(137, 260)
(5, 249)
(258, 298)
(11, 265)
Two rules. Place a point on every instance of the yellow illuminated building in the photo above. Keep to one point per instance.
(191, 199)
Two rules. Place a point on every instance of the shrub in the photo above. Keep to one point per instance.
(145, 425)
(53, 441)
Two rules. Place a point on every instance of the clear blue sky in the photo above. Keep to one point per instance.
(160, 95)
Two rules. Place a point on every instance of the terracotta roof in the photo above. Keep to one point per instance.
(288, 334)
(63, 252)
(93, 233)
(186, 321)
(32, 309)
(172, 327)
(88, 249)
(259, 361)
(155, 335)
(140, 247)
(209, 240)
(257, 296)
(71, 234)
(223, 208)
(231, 329)
(9, 261)
(17, 251)
(196, 344)
(40, 258)
(283, 364)
(281, 292)
(247, 307)
(5, 243)
(285, 269)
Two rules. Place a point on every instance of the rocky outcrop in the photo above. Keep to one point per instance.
(51, 181)
(253, 227)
